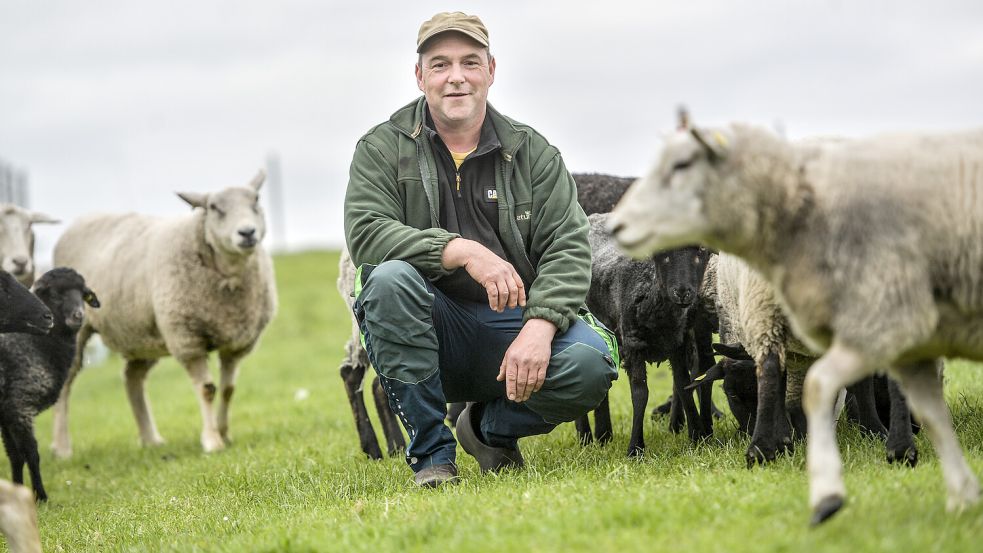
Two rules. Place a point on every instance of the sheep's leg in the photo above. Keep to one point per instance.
(582, 423)
(638, 379)
(866, 408)
(227, 385)
(135, 374)
(765, 442)
(201, 379)
(662, 408)
(13, 454)
(705, 359)
(61, 441)
(922, 385)
(28, 446)
(395, 443)
(602, 421)
(839, 367)
(794, 378)
(19, 518)
(900, 439)
(353, 378)
(676, 418)
(682, 360)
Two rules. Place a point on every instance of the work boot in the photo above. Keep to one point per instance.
(489, 458)
(436, 475)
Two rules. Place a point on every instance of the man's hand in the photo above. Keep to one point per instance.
(524, 366)
(497, 276)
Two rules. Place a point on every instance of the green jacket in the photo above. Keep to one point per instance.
(391, 210)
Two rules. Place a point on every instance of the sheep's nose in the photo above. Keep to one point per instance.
(20, 262)
(247, 232)
(49, 320)
(682, 296)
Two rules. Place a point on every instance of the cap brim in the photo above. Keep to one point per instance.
(477, 38)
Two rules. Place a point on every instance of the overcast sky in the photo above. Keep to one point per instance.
(114, 105)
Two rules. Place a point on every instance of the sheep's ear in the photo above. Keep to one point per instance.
(682, 116)
(715, 372)
(716, 144)
(258, 180)
(733, 351)
(38, 217)
(89, 297)
(194, 199)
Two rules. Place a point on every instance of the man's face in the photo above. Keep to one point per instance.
(454, 75)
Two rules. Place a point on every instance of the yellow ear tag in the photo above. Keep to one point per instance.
(699, 378)
(720, 138)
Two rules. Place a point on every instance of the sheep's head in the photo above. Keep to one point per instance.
(64, 292)
(20, 310)
(17, 241)
(682, 271)
(234, 220)
(667, 208)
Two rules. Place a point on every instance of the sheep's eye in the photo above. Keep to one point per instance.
(215, 208)
(682, 165)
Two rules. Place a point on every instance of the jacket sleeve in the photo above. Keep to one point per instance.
(374, 219)
(559, 242)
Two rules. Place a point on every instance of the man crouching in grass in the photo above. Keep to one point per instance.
(473, 265)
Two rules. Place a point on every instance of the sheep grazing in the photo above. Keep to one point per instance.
(17, 241)
(181, 286)
(353, 368)
(813, 221)
(652, 307)
(34, 367)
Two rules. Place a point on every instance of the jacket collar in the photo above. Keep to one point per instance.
(410, 119)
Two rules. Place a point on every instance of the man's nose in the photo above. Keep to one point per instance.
(456, 74)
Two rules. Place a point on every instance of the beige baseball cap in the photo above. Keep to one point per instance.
(461, 22)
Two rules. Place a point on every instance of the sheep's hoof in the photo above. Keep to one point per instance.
(969, 496)
(635, 451)
(903, 455)
(212, 443)
(59, 452)
(760, 455)
(828, 507)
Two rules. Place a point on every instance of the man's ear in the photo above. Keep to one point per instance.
(419, 74)
(491, 69)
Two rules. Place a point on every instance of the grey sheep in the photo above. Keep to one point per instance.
(813, 221)
(17, 241)
(183, 287)
(598, 193)
(34, 367)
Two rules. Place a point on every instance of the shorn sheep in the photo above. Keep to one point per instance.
(183, 287)
(20, 311)
(17, 241)
(813, 221)
(652, 306)
(34, 367)
(353, 369)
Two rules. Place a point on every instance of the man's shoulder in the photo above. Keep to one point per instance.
(403, 122)
(522, 134)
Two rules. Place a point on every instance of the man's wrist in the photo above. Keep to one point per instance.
(541, 327)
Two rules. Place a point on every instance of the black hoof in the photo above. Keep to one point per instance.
(907, 456)
(826, 508)
(757, 455)
(604, 438)
(635, 451)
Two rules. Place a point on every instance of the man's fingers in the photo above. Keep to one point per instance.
(520, 383)
(492, 289)
(540, 379)
(513, 293)
(501, 369)
(510, 371)
(532, 383)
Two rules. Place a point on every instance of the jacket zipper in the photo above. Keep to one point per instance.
(457, 174)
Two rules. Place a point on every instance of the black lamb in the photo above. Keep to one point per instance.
(598, 193)
(33, 369)
(652, 306)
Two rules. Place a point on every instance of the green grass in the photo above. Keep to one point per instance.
(295, 479)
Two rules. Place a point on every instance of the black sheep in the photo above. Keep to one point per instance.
(598, 193)
(33, 369)
(20, 310)
(652, 306)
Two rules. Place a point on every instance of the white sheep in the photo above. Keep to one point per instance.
(814, 221)
(17, 241)
(181, 286)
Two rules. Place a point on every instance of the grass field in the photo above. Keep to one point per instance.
(295, 480)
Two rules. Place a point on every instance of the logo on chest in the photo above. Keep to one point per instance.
(524, 216)
(491, 195)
